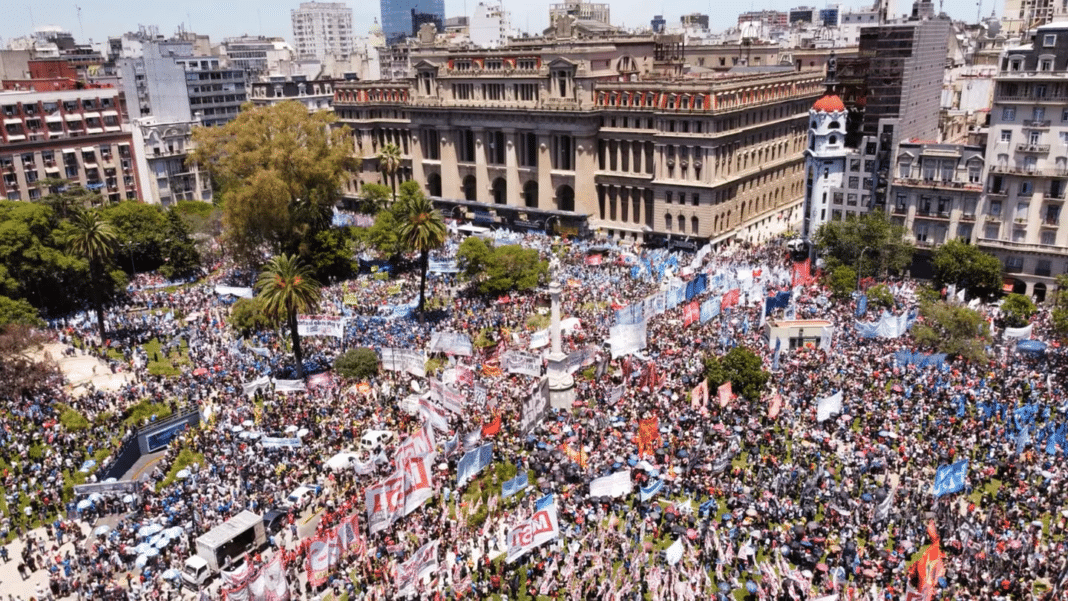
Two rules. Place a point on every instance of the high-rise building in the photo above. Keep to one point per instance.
(583, 11)
(1023, 220)
(397, 15)
(321, 29)
(490, 26)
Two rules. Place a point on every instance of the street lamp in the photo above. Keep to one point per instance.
(859, 257)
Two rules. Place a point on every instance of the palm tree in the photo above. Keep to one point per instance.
(93, 238)
(389, 161)
(286, 287)
(421, 229)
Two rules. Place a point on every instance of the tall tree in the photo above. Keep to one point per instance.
(742, 368)
(286, 288)
(870, 240)
(389, 161)
(1059, 312)
(952, 329)
(93, 238)
(279, 171)
(967, 267)
(421, 230)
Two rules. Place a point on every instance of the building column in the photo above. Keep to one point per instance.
(415, 151)
(450, 172)
(482, 183)
(546, 193)
(585, 167)
(511, 164)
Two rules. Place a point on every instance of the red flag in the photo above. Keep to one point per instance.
(648, 435)
(579, 456)
(691, 313)
(725, 394)
(593, 259)
(775, 407)
(802, 273)
(730, 298)
(493, 427)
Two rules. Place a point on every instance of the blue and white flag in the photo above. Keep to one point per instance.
(648, 492)
(543, 502)
(829, 406)
(950, 478)
(862, 305)
(775, 360)
(674, 553)
(514, 485)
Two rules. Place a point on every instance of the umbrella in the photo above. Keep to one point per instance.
(142, 548)
(83, 505)
(174, 531)
(128, 499)
(182, 474)
(172, 574)
(302, 432)
(148, 530)
(751, 586)
(200, 371)
(95, 497)
(247, 423)
(291, 429)
(102, 530)
(141, 561)
(821, 567)
(162, 542)
(151, 552)
(236, 429)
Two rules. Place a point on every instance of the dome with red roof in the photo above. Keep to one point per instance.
(829, 103)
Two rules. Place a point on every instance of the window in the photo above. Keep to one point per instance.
(1019, 235)
(431, 144)
(991, 231)
(1045, 64)
(905, 169)
(964, 232)
(921, 232)
(668, 196)
(854, 182)
(464, 91)
(1008, 113)
(1027, 188)
(1006, 135)
(563, 153)
(667, 221)
(1049, 238)
(902, 203)
(467, 146)
(1021, 211)
(1049, 40)
(1043, 267)
(1014, 264)
(995, 208)
(851, 200)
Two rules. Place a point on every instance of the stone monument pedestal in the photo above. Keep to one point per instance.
(561, 383)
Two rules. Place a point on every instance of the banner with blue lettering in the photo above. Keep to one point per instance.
(710, 308)
(514, 485)
(473, 462)
(950, 478)
(648, 492)
(543, 502)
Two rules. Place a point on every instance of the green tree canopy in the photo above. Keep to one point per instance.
(742, 368)
(23, 373)
(374, 197)
(1059, 312)
(953, 329)
(1017, 310)
(842, 280)
(249, 315)
(287, 289)
(357, 364)
(18, 311)
(880, 296)
(966, 267)
(383, 237)
(501, 269)
(842, 243)
(181, 258)
(279, 171)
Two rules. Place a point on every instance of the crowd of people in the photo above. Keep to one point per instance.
(766, 504)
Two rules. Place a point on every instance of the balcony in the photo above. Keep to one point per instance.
(901, 210)
(1047, 172)
(1032, 148)
(937, 183)
(967, 216)
(1051, 222)
(1037, 124)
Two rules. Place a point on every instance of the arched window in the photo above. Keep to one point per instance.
(682, 224)
(695, 226)
(530, 194)
(667, 221)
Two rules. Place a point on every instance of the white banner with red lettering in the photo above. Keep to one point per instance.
(420, 443)
(323, 554)
(422, 562)
(270, 584)
(418, 482)
(541, 528)
(385, 502)
(321, 325)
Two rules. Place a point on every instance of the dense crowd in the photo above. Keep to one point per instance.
(783, 507)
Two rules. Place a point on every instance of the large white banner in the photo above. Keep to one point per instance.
(283, 386)
(515, 362)
(233, 291)
(321, 325)
(419, 565)
(828, 406)
(451, 343)
(434, 415)
(270, 584)
(418, 482)
(261, 383)
(408, 360)
(613, 485)
(626, 338)
(1019, 333)
(541, 528)
(419, 444)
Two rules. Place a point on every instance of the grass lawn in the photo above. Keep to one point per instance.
(168, 365)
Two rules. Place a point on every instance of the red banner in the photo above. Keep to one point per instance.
(725, 394)
(648, 435)
(594, 259)
(691, 312)
(493, 427)
(730, 298)
(802, 273)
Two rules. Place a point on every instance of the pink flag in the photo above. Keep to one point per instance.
(725, 394)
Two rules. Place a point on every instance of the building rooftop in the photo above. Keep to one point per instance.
(829, 103)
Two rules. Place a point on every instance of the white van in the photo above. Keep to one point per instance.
(374, 441)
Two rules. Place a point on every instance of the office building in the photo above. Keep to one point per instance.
(490, 26)
(397, 21)
(321, 29)
(936, 191)
(555, 133)
(1027, 158)
(80, 136)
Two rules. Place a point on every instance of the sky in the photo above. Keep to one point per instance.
(229, 18)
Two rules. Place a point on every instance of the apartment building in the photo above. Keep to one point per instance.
(937, 190)
(316, 95)
(80, 136)
(1027, 155)
(321, 29)
(591, 133)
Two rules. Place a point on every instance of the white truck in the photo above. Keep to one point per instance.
(223, 545)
